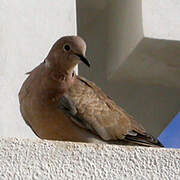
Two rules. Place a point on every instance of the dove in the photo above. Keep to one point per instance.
(59, 105)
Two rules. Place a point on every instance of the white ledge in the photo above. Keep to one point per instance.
(37, 159)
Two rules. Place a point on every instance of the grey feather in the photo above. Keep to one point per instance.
(67, 105)
(69, 108)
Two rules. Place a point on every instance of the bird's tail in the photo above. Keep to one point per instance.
(143, 140)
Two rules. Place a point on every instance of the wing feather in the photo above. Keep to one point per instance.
(90, 108)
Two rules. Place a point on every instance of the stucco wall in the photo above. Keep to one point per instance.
(36, 159)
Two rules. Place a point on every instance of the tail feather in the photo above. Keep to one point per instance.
(144, 140)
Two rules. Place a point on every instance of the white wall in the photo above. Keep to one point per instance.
(164, 18)
(28, 29)
(27, 159)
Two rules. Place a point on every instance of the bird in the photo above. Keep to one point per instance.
(57, 104)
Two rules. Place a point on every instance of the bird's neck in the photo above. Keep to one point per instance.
(65, 69)
(54, 83)
(61, 78)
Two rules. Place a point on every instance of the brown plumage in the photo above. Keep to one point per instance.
(59, 105)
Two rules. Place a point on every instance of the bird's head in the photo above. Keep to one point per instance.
(67, 52)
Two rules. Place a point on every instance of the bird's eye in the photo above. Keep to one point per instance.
(66, 47)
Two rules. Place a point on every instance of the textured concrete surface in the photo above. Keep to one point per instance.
(37, 160)
(27, 31)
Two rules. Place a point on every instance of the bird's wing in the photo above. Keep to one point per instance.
(90, 108)
(70, 109)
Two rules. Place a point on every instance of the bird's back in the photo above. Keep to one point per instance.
(104, 117)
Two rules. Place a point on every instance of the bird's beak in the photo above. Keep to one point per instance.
(83, 59)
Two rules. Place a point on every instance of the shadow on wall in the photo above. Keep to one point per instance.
(153, 105)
